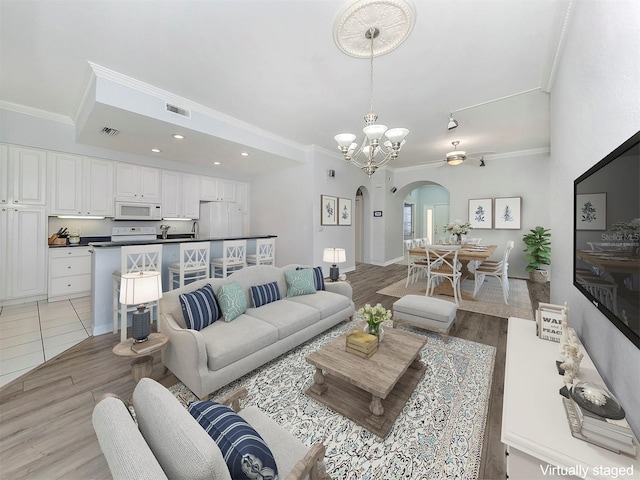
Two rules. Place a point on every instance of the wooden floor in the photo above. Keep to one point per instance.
(45, 415)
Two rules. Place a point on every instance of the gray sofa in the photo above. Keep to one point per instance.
(168, 443)
(211, 358)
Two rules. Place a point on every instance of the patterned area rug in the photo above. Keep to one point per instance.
(489, 300)
(438, 434)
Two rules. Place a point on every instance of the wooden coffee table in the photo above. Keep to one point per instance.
(372, 391)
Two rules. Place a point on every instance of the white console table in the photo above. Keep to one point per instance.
(534, 423)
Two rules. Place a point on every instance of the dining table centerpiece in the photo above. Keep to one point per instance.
(458, 228)
(374, 317)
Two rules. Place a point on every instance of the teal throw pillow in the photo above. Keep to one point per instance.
(300, 282)
(232, 300)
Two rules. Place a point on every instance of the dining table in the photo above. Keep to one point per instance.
(467, 253)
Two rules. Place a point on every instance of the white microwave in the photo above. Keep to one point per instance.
(137, 211)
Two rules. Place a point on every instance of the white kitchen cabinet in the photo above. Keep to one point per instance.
(24, 266)
(218, 190)
(26, 176)
(4, 174)
(69, 272)
(65, 187)
(80, 185)
(137, 182)
(97, 187)
(180, 195)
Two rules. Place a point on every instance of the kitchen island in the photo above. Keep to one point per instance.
(106, 259)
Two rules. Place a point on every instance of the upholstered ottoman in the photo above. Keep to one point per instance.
(425, 312)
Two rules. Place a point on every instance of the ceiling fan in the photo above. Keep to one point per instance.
(458, 157)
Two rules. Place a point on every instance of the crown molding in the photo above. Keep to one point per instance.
(36, 112)
(518, 153)
(563, 16)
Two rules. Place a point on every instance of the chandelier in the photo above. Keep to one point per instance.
(374, 151)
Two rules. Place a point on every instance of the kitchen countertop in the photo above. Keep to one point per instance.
(170, 239)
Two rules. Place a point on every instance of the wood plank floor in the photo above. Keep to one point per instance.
(45, 415)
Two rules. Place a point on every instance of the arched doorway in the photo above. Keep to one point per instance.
(425, 210)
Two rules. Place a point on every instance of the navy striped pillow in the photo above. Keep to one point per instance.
(246, 454)
(263, 294)
(318, 277)
(200, 308)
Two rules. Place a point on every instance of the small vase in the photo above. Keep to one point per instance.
(379, 333)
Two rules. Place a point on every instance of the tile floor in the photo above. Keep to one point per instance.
(35, 332)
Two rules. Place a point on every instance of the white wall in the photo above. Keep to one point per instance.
(526, 177)
(594, 108)
(287, 203)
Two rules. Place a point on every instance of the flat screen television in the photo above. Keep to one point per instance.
(607, 237)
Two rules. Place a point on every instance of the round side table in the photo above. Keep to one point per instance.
(142, 364)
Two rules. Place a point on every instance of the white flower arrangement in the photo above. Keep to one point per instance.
(374, 316)
(458, 227)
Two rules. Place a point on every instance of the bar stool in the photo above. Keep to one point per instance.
(234, 257)
(133, 259)
(265, 252)
(193, 264)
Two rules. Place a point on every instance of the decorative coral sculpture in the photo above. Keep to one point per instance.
(594, 395)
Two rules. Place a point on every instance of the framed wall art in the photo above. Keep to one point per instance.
(507, 213)
(344, 211)
(328, 212)
(480, 213)
(591, 211)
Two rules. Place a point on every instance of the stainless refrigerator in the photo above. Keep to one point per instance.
(220, 219)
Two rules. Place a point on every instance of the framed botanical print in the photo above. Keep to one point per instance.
(480, 213)
(507, 213)
(591, 211)
(344, 211)
(328, 212)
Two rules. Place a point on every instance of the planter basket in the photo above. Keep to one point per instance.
(539, 276)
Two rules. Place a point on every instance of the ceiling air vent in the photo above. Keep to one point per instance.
(180, 111)
(110, 132)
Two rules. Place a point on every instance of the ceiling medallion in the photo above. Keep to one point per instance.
(393, 18)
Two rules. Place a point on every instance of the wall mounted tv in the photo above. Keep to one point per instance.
(607, 237)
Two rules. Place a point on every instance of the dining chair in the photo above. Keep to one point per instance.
(416, 267)
(499, 270)
(193, 264)
(234, 257)
(442, 263)
(134, 259)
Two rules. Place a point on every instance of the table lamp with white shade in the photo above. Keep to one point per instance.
(137, 289)
(334, 256)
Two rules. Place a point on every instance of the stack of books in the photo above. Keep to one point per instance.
(362, 344)
(146, 346)
(611, 434)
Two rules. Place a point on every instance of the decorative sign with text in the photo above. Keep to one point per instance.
(549, 320)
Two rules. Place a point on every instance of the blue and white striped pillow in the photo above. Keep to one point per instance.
(200, 308)
(318, 277)
(246, 454)
(263, 294)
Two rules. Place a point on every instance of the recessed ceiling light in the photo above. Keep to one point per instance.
(156, 150)
(216, 163)
(244, 154)
(178, 136)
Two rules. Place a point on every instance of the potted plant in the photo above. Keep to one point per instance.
(538, 252)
